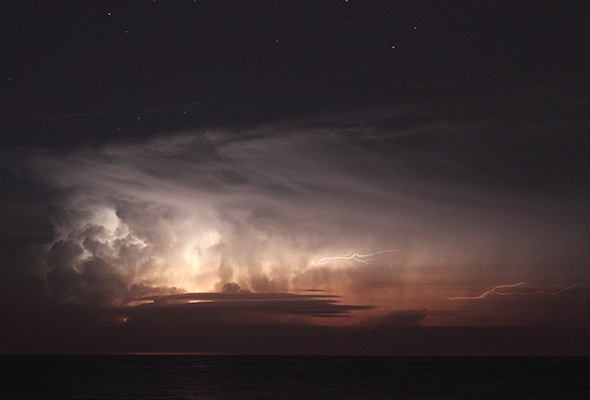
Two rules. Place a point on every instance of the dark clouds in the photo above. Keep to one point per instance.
(243, 302)
(191, 328)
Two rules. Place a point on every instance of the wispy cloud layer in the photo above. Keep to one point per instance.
(382, 197)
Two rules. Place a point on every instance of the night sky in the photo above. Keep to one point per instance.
(290, 177)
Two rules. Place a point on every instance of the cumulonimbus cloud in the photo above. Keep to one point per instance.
(196, 211)
(280, 208)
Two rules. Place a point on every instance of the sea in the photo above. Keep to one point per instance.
(207, 377)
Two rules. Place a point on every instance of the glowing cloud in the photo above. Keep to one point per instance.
(197, 211)
(264, 206)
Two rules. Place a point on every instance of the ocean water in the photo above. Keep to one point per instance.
(291, 377)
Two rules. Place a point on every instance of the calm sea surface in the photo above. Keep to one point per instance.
(274, 377)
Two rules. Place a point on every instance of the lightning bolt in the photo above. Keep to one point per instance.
(548, 292)
(362, 258)
(493, 290)
(497, 291)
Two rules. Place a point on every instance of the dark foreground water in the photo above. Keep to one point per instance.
(229, 377)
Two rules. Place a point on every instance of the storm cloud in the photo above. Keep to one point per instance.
(393, 206)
